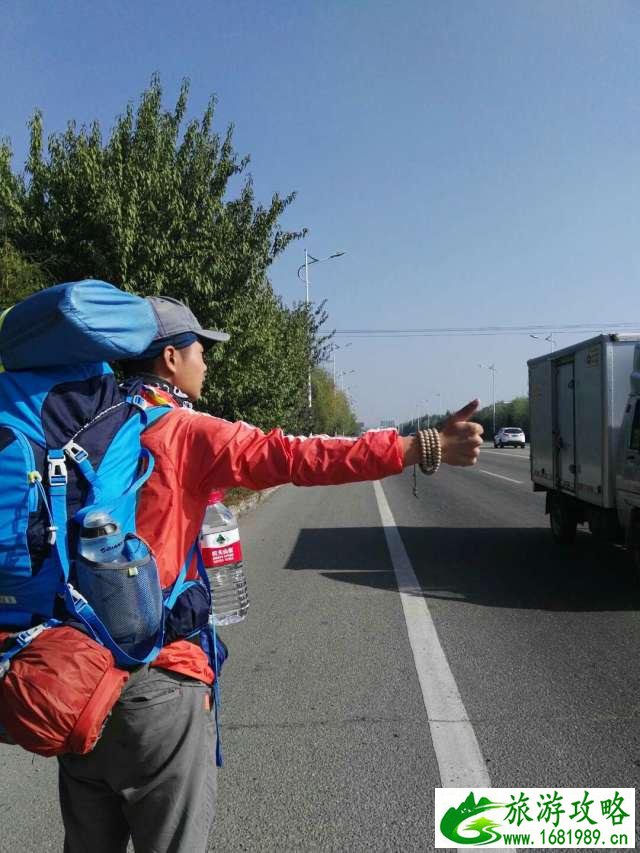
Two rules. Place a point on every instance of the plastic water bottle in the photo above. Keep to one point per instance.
(222, 555)
(101, 539)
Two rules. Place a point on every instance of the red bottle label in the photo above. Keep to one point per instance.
(221, 549)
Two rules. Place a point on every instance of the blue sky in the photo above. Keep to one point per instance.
(477, 160)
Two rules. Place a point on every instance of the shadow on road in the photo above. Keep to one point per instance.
(495, 567)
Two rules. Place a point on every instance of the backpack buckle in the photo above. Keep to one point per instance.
(138, 401)
(25, 637)
(75, 452)
(57, 472)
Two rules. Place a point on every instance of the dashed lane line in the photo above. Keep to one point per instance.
(525, 456)
(501, 476)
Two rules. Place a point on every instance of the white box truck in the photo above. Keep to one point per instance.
(585, 438)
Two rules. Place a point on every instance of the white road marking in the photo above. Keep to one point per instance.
(501, 476)
(460, 760)
(524, 456)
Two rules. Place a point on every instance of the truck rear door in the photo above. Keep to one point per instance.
(564, 433)
(628, 479)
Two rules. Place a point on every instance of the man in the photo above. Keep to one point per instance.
(151, 776)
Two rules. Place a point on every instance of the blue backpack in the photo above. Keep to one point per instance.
(70, 443)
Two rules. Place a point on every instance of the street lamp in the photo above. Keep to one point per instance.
(439, 396)
(341, 376)
(348, 392)
(549, 338)
(308, 260)
(333, 348)
(427, 412)
(492, 368)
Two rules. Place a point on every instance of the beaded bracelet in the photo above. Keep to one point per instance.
(430, 450)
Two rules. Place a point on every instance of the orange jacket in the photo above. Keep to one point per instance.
(196, 453)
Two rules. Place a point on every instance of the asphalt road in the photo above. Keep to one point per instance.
(325, 731)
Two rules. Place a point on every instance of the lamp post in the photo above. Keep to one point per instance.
(439, 396)
(341, 375)
(348, 393)
(335, 347)
(492, 368)
(308, 260)
(428, 413)
(426, 402)
(549, 338)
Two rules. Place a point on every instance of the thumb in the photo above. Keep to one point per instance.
(465, 412)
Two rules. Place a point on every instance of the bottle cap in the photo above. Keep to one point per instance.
(216, 497)
(98, 523)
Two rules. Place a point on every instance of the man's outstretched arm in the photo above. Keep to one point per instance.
(237, 454)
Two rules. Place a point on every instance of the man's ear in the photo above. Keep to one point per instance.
(169, 360)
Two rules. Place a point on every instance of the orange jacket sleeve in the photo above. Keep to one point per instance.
(221, 454)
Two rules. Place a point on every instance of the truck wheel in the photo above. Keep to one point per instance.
(633, 544)
(563, 522)
(635, 559)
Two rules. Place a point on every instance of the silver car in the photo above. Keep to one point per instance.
(509, 437)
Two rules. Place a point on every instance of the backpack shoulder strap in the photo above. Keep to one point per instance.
(149, 412)
(154, 414)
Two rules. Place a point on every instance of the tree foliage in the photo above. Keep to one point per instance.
(512, 413)
(166, 206)
(332, 413)
(18, 277)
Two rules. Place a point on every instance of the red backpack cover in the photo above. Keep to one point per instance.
(58, 692)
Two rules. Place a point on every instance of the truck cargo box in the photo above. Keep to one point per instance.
(577, 398)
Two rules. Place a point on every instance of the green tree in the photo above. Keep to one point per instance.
(514, 413)
(166, 206)
(332, 414)
(18, 277)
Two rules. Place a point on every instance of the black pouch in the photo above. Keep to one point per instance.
(189, 614)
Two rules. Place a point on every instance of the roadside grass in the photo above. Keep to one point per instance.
(236, 496)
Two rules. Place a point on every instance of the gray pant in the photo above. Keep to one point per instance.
(151, 776)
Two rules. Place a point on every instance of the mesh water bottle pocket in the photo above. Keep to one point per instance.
(125, 595)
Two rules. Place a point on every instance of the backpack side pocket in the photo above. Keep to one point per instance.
(125, 595)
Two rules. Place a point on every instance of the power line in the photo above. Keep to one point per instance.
(491, 330)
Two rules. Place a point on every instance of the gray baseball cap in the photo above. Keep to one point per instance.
(174, 319)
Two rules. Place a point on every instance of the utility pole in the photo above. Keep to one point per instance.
(492, 368)
(307, 260)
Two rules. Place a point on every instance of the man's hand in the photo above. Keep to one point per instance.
(461, 440)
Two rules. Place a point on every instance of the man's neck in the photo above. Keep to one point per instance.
(163, 384)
